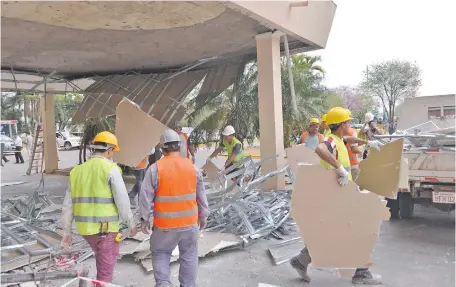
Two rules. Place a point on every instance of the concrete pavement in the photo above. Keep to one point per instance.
(409, 253)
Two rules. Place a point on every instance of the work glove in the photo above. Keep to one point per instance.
(202, 222)
(375, 144)
(343, 176)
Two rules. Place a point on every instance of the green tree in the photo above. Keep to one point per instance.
(391, 82)
(355, 100)
(65, 107)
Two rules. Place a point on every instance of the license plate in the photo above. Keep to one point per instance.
(443, 197)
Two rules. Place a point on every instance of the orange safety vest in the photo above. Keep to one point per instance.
(305, 134)
(351, 155)
(175, 199)
(143, 164)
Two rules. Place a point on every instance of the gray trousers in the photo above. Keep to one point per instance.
(162, 244)
(304, 259)
(139, 176)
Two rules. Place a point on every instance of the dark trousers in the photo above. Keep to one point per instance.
(18, 155)
(139, 175)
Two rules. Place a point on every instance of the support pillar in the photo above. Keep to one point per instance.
(51, 162)
(270, 106)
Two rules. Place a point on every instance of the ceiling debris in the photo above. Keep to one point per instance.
(300, 154)
(131, 119)
(379, 173)
(339, 225)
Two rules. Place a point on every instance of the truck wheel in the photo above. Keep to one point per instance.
(406, 205)
(393, 205)
(67, 146)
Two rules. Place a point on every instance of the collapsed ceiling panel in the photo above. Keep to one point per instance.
(300, 154)
(339, 225)
(379, 173)
(131, 119)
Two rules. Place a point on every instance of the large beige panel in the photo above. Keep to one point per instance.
(379, 173)
(270, 106)
(300, 154)
(136, 132)
(339, 225)
(310, 24)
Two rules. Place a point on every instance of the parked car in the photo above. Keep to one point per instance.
(67, 140)
(9, 144)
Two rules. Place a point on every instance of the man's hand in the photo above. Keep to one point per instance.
(66, 242)
(343, 176)
(145, 227)
(208, 160)
(193, 159)
(202, 222)
(133, 232)
(375, 144)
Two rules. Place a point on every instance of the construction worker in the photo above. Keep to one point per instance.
(333, 154)
(324, 125)
(312, 138)
(186, 149)
(173, 201)
(97, 200)
(369, 130)
(233, 146)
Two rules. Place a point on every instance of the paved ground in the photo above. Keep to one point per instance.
(409, 253)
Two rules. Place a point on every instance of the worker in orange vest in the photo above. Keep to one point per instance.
(173, 203)
(353, 151)
(312, 138)
(186, 149)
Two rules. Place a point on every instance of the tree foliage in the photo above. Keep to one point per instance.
(354, 100)
(391, 82)
(65, 107)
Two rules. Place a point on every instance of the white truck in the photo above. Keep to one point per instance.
(67, 140)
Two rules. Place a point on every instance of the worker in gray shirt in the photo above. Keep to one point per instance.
(173, 202)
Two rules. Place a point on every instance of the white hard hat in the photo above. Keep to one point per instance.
(369, 117)
(169, 136)
(229, 130)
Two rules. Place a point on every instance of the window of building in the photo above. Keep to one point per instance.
(448, 111)
(434, 112)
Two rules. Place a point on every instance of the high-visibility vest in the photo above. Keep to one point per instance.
(341, 153)
(175, 199)
(230, 146)
(143, 164)
(351, 155)
(326, 133)
(184, 145)
(92, 198)
(305, 134)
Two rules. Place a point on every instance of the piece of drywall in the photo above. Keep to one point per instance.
(137, 133)
(211, 170)
(379, 173)
(339, 224)
(300, 154)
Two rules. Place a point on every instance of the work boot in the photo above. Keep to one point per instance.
(365, 277)
(302, 270)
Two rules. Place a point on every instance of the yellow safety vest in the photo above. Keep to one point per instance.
(341, 154)
(93, 202)
(229, 147)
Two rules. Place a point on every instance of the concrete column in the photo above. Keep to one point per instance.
(270, 105)
(51, 163)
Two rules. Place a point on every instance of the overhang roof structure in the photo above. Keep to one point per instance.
(59, 42)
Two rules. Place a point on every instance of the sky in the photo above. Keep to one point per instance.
(370, 31)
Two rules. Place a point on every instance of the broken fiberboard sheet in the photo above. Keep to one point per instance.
(379, 172)
(211, 170)
(136, 132)
(208, 242)
(339, 224)
(300, 154)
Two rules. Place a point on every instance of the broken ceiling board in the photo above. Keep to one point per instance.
(132, 246)
(339, 225)
(379, 173)
(212, 171)
(136, 132)
(300, 154)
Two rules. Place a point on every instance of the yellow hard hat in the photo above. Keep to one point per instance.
(323, 118)
(338, 115)
(314, 121)
(107, 138)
